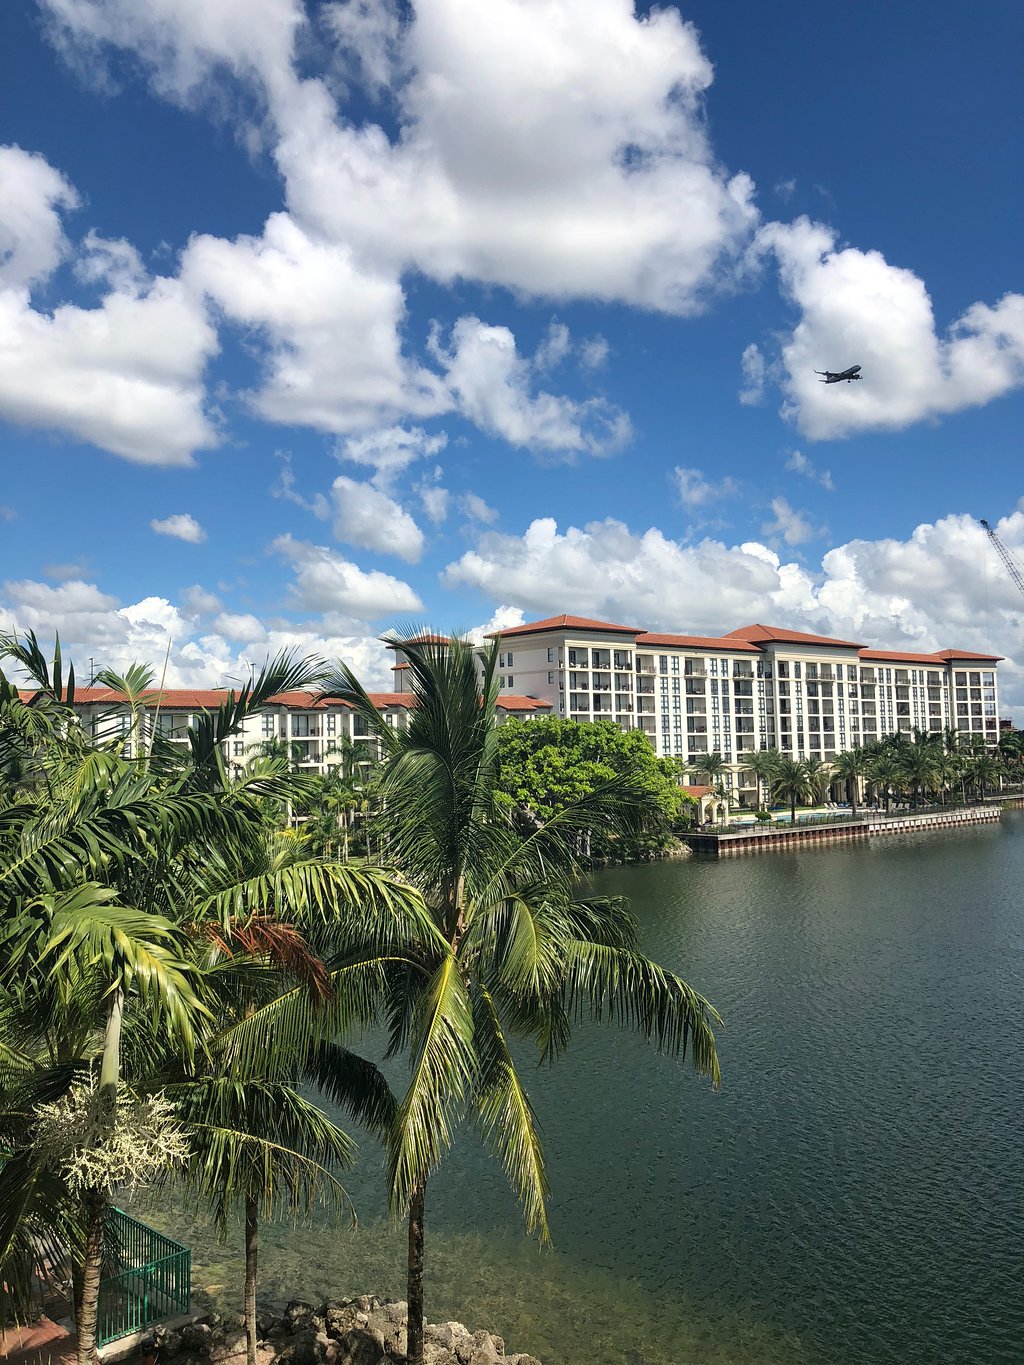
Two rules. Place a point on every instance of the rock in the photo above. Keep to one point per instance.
(361, 1347)
(299, 1315)
(196, 1337)
(390, 1320)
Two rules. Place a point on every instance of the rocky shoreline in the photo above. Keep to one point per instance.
(360, 1331)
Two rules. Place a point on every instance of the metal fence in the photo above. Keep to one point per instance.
(147, 1277)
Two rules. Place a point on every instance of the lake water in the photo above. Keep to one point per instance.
(855, 1191)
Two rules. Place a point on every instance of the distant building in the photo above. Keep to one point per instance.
(759, 687)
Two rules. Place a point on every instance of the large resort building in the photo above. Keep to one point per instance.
(758, 687)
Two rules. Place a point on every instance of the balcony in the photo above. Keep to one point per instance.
(623, 658)
(644, 688)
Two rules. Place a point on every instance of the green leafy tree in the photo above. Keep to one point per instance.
(544, 766)
(515, 951)
(917, 766)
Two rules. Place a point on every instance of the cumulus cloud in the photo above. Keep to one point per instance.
(32, 241)
(476, 509)
(331, 326)
(391, 449)
(606, 188)
(941, 587)
(326, 583)
(493, 386)
(181, 526)
(753, 368)
(363, 515)
(798, 463)
(126, 375)
(787, 524)
(857, 309)
(695, 490)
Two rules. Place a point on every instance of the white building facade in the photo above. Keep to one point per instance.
(758, 687)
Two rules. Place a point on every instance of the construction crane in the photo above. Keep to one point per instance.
(1012, 567)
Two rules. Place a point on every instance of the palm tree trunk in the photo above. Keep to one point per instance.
(792, 810)
(252, 1247)
(87, 1325)
(414, 1352)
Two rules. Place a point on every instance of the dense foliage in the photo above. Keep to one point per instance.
(180, 974)
(546, 766)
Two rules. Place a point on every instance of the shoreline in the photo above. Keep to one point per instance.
(724, 844)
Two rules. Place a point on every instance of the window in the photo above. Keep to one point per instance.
(332, 725)
(268, 726)
(551, 676)
(238, 748)
(501, 661)
(508, 658)
(551, 656)
(509, 678)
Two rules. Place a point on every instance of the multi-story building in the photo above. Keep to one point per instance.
(758, 687)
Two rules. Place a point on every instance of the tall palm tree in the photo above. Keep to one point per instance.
(984, 769)
(791, 783)
(917, 767)
(711, 766)
(886, 772)
(516, 952)
(763, 763)
(851, 766)
(818, 776)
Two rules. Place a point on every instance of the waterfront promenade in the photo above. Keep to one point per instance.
(735, 840)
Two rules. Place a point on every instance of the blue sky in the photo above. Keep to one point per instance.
(317, 318)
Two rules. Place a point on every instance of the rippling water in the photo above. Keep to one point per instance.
(855, 1192)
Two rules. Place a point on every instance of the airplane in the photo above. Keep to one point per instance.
(849, 375)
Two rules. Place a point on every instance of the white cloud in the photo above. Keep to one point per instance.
(788, 524)
(326, 583)
(240, 626)
(126, 375)
(942, 587)
(606, 186)
(363, 515)
(554, 347)
(798, 463)
(753, 367)
(331, 325)
(492, 385)
(477, 510)
(857, 309)
(391, 449)
(181, 526)
(197, 601)
(695, 490)
(32, 241)
(594, 353)
(434, 498)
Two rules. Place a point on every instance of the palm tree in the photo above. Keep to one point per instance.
(917, 766)
(850, 767)
(515, 952)
(818, 775)
(886, 771)
(791, 783)
(763, 763)
(983, 769)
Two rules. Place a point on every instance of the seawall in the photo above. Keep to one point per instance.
(782, 837)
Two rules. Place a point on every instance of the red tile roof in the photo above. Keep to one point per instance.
(895, 656)
(563, 623)
(715, 642)
(380, 699)
(966, 654)
(522, 704)
(796, 637)
(420, 640)
(697, 791)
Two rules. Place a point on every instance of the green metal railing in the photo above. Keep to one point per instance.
(147, 1277)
